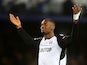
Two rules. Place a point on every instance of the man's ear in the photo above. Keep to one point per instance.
(52, 27)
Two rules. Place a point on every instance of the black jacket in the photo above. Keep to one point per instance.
(63, 40)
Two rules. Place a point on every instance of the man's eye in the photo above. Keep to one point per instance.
(45, 24)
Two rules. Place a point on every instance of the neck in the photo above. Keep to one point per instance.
(48, 36)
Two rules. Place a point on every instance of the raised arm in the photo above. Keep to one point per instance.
(15, 20)
(65, 40)
(24, 35)
(76, 13)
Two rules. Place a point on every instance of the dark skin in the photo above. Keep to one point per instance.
(47, 27)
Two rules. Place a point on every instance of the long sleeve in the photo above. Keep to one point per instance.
(65, 40)
(25, 36)
(74, 33)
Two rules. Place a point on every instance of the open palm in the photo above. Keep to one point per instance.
(15, 20)
(76, 9)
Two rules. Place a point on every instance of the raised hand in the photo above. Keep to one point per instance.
(15, 20)
(76, 12)
(76, 9)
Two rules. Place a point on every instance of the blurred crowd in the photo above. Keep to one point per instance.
(13, 51)
(47, 7)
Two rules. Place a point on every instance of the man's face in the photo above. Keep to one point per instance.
(46, 27)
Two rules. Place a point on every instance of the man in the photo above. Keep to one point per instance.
(52, 49)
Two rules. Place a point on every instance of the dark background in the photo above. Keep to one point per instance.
(13, 50)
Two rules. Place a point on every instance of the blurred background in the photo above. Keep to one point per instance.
(13, 50)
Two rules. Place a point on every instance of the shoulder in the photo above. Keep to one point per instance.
(61, 37)
(38, 38)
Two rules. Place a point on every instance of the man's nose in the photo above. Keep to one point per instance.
(42, 27)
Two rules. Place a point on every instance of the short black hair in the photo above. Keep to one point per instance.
(50, 20)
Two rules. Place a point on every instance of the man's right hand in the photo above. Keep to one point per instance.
(15, 20)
